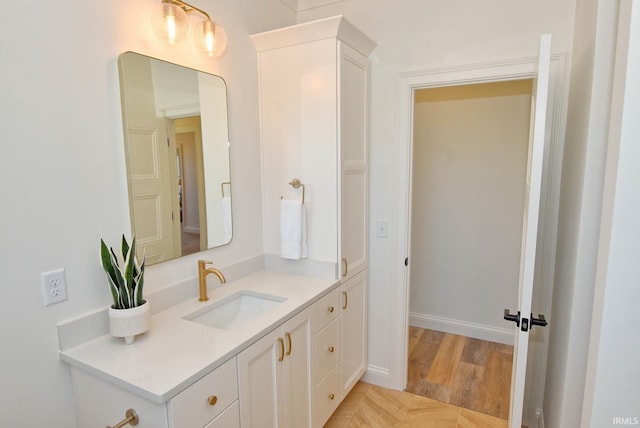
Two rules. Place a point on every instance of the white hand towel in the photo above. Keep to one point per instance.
(293, 230)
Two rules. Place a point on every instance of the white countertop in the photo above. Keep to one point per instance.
(175, 353)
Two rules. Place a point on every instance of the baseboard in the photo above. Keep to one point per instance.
(377, 376)
(462, 328)
(191, 229)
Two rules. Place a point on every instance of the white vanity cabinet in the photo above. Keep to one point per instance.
(314, 80)
(314, 127)
(211, 402)
(353, 70)
(274, 377)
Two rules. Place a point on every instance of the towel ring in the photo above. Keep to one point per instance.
(296, 184)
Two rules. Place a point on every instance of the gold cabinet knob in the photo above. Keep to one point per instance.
(331, 309)
(331, 396)
(331, 349)
(212, 400)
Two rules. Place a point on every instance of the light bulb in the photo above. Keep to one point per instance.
(170, 22)
(211, 38)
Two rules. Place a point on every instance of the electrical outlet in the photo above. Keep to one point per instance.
(54, 286)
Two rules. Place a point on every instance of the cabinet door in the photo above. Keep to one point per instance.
(353, 72)
(297, 371)
(353, 331)
(259, 387)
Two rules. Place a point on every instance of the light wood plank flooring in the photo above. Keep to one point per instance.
(371, 406)
(471, 373)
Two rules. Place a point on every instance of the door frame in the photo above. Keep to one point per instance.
(406, 84)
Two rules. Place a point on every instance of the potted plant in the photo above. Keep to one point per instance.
(129, 315)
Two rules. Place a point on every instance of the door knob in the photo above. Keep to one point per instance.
(541, 321)
(512, 317)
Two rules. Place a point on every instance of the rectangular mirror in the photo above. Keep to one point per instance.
(176, 138)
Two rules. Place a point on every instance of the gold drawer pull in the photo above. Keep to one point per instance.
(288, 335)
(331, 309)
(281, 349)
(331, 349)
(212, 400)
(345, 267)
(331, 396)
(346, 300)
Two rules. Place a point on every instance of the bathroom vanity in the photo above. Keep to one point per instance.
(261, 370)
(300, 342)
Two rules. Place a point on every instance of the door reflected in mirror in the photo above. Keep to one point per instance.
(177, 152)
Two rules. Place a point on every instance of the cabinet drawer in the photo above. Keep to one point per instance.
(328, 395)
(325, 310)
(230, 418)
(327, 348)
(192, 407)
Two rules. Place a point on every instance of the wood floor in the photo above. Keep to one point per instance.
(190, 243)
(470, 373)
(370, 406)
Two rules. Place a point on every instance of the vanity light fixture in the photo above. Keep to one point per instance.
(171, 22)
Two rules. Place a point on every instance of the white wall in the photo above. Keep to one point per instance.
(415, 35)
(469, 166)
(580, 206)
(63, 177)
(611, 390)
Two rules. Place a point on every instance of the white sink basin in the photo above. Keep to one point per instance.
(235, 309)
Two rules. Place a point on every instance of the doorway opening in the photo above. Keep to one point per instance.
(530, 360)
(192, 227)
(469, 165)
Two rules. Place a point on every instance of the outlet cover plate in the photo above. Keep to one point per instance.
(54, 286)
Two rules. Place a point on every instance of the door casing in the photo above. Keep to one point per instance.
(406, 84)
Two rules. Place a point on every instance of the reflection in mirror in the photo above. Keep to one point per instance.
(177, 149)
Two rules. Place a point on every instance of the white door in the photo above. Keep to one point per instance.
(149, 158)
(523, 317)
(151, 193)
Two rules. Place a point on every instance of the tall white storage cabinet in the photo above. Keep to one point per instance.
(314, 110)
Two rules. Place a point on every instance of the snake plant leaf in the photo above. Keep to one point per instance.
(128, 272)
(125, 245)
(139, 275)
(120, 280)
(105, 259)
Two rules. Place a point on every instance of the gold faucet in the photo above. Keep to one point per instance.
(202, 278)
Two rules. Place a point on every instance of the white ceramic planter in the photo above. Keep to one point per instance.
(129, 322)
